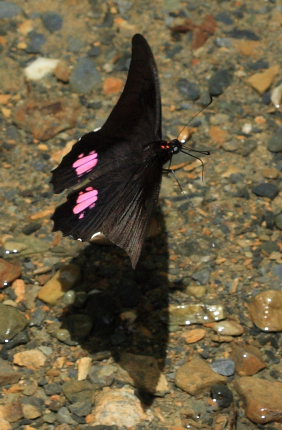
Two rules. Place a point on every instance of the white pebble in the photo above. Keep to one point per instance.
(40, 67)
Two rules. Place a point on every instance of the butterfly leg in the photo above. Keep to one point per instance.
(175, 177)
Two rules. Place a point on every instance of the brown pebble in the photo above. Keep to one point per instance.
(62, 281)
(11, 411)
(262, 81)
(31, 359)
(8, 272)
(227, 328)
(262, 398)
(62, 71)
(30, 411)
(266, 310)
(196, 376)
(113, 85)
(270, 173)
(192, 336)
(247, 359)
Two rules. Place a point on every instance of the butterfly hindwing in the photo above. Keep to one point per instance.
(120, 208)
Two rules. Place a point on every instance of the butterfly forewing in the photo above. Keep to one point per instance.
(136, 118)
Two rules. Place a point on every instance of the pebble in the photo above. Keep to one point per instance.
(236, 33)
(223, 366)
(196, 376)
(83, 368)
(247, 359)
(265, 189)
(143, 373)
(40, 68)
(118, 407)
(62, 71)
(36, 41)
(45, 119)
(62, 281)
(12, 322)
(31, 359)
(7, 374)
(78, 391)
(113, 85)
(11, 410)
(9, 9)
(278, 221)
(102, 376)
(262, 398)
(222, 395)
(32, 408)
(227, 328)
(52, 21)
(85, 75)
(266, 310)
(10, 82)
(219, 81)
(224, 17)
(64, 416)
(276, 96)
(195, 335)
(262, 81)
(195, 314)
(81, 409)
(275, 142)
(8, 272)
(188, 89)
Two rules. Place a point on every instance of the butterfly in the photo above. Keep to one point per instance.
(119, 167)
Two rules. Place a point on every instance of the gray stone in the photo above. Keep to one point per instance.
(9, 10)
(265, 189)
(52, 21)
(224, 366)
(275, 142)
(85, 76)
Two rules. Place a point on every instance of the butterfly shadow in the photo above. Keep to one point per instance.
(121, 314)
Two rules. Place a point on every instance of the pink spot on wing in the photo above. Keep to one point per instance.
(85, 163)
(85, 200)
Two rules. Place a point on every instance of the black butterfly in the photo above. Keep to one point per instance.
(121, 163)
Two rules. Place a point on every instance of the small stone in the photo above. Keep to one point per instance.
(262, 398)
(227, 328)
(219, 81)
(197, 291)
(64, 416)
(195, 335)
(40, 68)
(118, 407)
(265, 189)
(222, 395)
(31, 359)
(113, 85)
(52, 21)
(78, 391)
(5, 425)
(83, 367)
(81, 409)
(270, 173)
(196, 376)
(261, 82)
(62, 281)
(247, 359)
(224, 366)
(187, 89)
(8, 272)
(266, 310)
(236, 33)
(102, 376)
(7, 374)
(62, 71)
(278, 221)
(275, 142)
(45, 119)
(9, 9)
(195, 314)
(11, 411)
(276, 96)
(36, 41)
(12, 322)
(85, 75)
(143, 373)
(30, 411)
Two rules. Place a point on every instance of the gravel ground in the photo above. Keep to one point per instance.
(191, 338)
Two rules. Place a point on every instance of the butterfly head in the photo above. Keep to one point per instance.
(172, 147)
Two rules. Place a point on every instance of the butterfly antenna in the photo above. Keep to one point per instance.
(193, 117)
